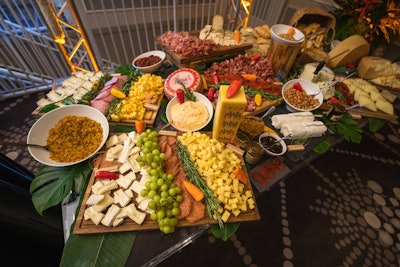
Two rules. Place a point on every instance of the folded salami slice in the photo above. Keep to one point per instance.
(303, 129)
(295, 117)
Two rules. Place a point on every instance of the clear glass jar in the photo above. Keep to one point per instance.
(254, 153)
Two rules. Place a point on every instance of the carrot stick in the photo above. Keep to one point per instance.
(290, 31)
(193, 190)
(240, 174)
(139, 125)
(237, 36)
(249, 77)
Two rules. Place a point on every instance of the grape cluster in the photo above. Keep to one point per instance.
(164, 194)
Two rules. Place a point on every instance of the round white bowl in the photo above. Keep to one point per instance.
(308, 87)
(152, 68)
(40, 131)
(282, 29)
(276, 137)
(200, 97)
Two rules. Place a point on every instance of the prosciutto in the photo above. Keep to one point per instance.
(104, 97)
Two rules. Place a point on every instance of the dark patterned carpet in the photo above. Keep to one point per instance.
(341, 210)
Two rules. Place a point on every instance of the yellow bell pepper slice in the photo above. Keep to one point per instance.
(117, 93)
(258, 99)
(269, 130)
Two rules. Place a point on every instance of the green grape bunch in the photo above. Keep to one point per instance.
(165, 195)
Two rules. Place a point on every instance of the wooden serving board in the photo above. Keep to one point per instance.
(266, 104)
(149, 115)
(88, 227)
(364, 112)
(182, 61)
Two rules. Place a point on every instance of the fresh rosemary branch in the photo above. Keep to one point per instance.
(95, 90)
(212, 203)
(126, 86)
(188, 94)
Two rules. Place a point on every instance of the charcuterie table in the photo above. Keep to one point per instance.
(148, 246)
(244, 110)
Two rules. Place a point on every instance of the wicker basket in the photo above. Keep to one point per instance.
(307, 16)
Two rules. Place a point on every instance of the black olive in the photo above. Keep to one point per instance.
(269, 141)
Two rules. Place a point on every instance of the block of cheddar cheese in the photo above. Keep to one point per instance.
(228, 114)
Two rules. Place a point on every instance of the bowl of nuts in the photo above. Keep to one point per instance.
(149, 62)
(301, 95)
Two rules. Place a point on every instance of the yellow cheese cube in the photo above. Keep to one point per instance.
(225, 216)
(236, 212)
(228, 114)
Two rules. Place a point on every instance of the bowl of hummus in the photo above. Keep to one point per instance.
(190, 116)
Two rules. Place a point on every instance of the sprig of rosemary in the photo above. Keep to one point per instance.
(95, 90)
(126, 86)
(212, 203)
(188, 94)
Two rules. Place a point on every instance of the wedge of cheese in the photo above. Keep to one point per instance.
(228, 114)
(374, 67)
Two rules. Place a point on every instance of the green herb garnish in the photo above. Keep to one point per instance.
(212, 203)
(188, 94)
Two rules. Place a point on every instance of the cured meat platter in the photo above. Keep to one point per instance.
(183, 62)
(83, 226)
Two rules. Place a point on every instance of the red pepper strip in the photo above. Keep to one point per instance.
(215, 79)
(298, 87)
(334, 100)
(106, 175)
(233, 88)
(255, 57)
(180, 94)
(211, 93)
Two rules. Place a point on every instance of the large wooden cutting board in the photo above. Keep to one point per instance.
(266, 104)
(364, 112)
(88, 227)
(149, 116)
(182, 61)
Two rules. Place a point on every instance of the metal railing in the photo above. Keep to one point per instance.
(117, 30)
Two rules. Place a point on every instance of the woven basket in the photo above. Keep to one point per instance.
(308, 15)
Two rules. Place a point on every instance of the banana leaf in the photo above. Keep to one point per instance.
(98, 250)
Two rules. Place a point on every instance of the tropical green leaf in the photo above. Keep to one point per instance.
(323, 146)
(52, 184)
(224, 232)
(345, 126)
(375, 124)
(112, 249)
(48, 108)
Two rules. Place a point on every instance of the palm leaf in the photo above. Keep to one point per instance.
(98, 250)
(224, 232)
(52, 184)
